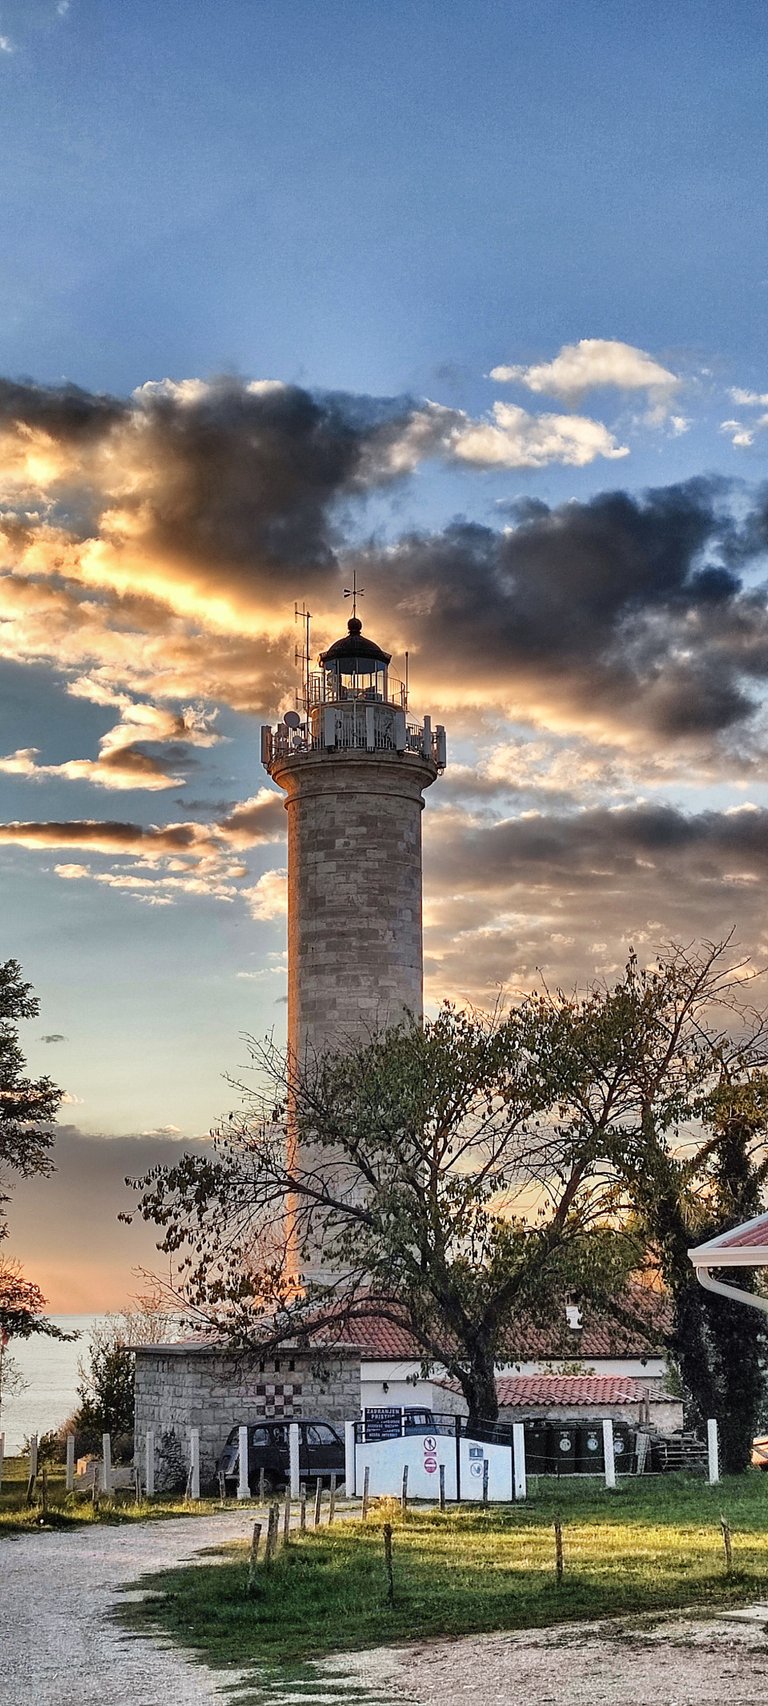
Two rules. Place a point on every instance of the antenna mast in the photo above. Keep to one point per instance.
(302, 653)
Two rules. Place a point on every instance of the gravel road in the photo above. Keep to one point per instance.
(59, 1646)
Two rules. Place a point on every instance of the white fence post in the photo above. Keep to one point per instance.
(350, 1483)
(609, 1458)
(70, 1480)
(106, 1463)
(194, 1463)
(32, 1456)
(243, 1488)
(518, 1459)
(2, 1458)
(149, 1464)
(713, 1452)
(293, 1459)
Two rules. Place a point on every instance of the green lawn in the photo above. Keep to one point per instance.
(67, 1510)
(651, 1545)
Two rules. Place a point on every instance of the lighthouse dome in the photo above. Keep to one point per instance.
(354, 645)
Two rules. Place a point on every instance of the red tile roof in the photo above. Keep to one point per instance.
(521, 1392)
(600, 1336)
(753, 1236)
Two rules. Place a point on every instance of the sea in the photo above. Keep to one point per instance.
(49, 1369)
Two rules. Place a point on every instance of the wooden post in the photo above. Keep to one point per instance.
(222, 1488)
(388, 1563)
(95, 1492)
(271, 1544)
(45, 1496)
(70, 1472)
(303, 1511)
(713, 1452)
(318, 1501)
(726, 1529)
(332, 1501)
(558, 1551)
(136, 1484)
(404, 1492)
(106, 1465)
(441, 1478)
(149, 1464)
(2, 1458)
(287, 1516)
(261, 1485)
(254, 1558)
(366, 1481)
(486, 1467)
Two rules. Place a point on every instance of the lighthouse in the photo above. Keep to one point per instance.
(354, 767)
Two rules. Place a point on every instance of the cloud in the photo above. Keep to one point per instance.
(69, 1235)
(622, 618)
(592, 363)
(749, 399)
(742, 435)
(269, 896)
(124, 760)
(516, 439)
(565, 895)
(6, 45)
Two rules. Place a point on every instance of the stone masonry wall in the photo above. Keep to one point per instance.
(354, 894)
(208, 1390)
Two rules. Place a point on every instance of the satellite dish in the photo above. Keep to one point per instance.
(297, 743)
(292, 720)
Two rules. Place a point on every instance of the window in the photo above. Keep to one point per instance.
(321, 1436)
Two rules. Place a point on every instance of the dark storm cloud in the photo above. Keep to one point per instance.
(66, 1229)
(241, 478)
(567, 895)
(587, 848)
(625, 606)
(65, 412)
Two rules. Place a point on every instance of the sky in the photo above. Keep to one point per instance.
(471, 299)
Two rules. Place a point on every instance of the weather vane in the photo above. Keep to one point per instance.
(354, 592)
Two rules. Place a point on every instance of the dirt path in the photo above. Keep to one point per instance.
(677, 1663)
(59, 1646)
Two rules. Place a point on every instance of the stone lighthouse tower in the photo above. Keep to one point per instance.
(354, 768)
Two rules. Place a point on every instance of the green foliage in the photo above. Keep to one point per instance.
(27, 1106)
(430, 1181)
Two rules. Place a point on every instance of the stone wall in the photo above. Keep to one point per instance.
(181, 1388)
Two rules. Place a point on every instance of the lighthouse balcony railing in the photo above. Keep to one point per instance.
(352, 733)
(327, 688)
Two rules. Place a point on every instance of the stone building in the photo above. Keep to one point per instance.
(199, 1385)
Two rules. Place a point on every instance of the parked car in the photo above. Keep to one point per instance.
(760, 1452)
(321, 1452)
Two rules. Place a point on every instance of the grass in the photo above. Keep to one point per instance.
(650, 1546)
(73, 1510)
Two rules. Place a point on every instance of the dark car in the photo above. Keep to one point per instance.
(321, 1452)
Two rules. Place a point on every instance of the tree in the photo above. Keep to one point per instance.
(106, 1387)
(432, 1190)
(668, 1069)
(27, 1109)
(27, 1106)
